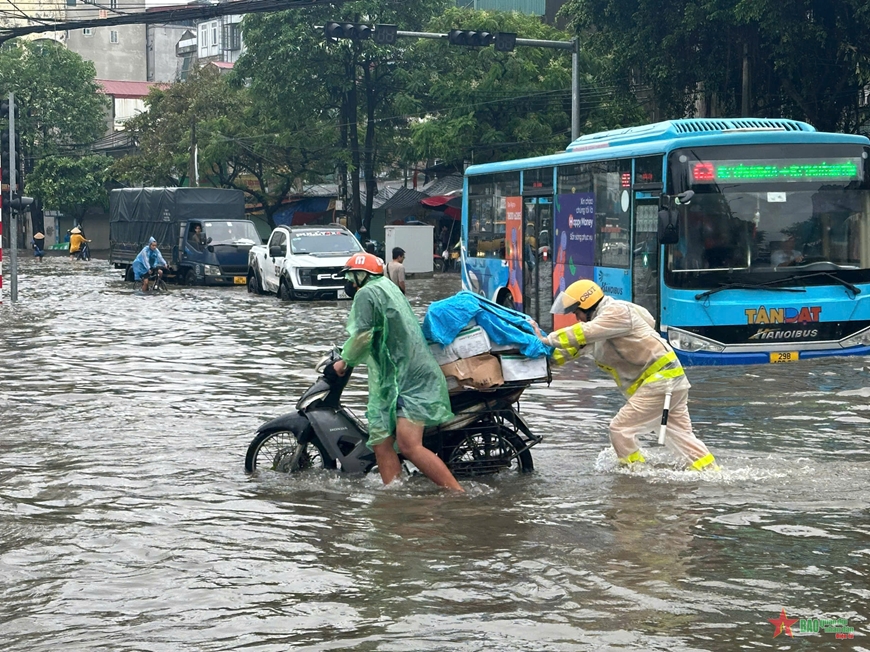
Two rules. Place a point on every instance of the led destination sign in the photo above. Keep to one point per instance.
(757, 170)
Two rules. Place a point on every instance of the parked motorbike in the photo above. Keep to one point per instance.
(486, 435)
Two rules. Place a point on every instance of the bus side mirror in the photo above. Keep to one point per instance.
(669, 226)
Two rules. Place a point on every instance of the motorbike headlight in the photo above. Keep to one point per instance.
(861, 338)
(212, 270)
(690, 343)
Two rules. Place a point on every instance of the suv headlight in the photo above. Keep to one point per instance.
(211, 270)
(861, 338)
(688, 342)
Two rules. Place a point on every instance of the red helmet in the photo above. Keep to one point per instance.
(364, 262)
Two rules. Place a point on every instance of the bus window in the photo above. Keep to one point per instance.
(610, 184)
(487, 196)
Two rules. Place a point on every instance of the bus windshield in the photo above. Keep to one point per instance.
(762, 212)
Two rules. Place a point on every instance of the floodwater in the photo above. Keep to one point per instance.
(128, 523)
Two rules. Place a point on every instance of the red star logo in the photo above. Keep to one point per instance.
(782, 624)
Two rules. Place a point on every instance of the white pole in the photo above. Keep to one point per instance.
(664, 425)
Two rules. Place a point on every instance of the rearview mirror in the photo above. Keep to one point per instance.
(276, 251)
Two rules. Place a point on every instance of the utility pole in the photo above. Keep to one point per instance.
(13, 214)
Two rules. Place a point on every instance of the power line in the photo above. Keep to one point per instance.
(174, 15)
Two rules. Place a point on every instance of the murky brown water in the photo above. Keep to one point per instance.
(127, 522)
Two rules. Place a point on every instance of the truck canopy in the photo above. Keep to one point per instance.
(137, 214)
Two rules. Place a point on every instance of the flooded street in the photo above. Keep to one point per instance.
(127, 521)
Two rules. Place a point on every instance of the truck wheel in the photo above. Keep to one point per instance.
(190, 277)
(129, 276)
(254, 285)
(285, 292)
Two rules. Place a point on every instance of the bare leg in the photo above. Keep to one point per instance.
(388, 462)
(410, 438)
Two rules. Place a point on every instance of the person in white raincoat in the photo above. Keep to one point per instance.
(621, 337)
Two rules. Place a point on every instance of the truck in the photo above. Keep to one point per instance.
(302, 262)
(170, 216)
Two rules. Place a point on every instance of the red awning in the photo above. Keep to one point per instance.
(450, 204)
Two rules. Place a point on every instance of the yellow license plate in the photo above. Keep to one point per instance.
(239, 280)
(784, 356)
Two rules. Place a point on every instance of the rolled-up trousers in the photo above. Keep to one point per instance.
(642, 414)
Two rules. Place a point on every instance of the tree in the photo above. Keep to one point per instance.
(298, 79)
(479, 105)
(802, 59)
(71, 185)
(61, 108)
(59, 100)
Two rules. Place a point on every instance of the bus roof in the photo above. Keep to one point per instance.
(662, 137)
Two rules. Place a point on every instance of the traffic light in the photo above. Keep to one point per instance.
(470, 37)
(382, 34)
(5, 164)
(505, 41)
(19, 203)
(353, 31)
(386, 34)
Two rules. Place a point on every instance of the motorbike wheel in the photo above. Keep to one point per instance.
(438, 266)
(279, 450)
(487, 453)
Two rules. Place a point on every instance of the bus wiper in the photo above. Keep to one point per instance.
(852, 288)
(745, 286)
(768, 286)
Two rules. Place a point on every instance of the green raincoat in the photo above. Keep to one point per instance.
(386, 336)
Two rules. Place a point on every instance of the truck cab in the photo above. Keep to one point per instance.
(302, 262)
(216, 253)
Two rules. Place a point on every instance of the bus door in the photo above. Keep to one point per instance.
(645, 258)
(537, 260)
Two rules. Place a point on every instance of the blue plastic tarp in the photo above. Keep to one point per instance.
(504, 326)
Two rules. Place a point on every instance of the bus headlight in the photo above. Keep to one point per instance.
(212, 270)
(861, 338)
(688, 342)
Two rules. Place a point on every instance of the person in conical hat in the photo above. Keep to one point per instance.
(76, 241)
(38, 243)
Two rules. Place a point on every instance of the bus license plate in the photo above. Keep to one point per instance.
(342, 294)
(239, 280)
(784, 356)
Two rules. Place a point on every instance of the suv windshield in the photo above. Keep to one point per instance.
(231, 233)
(766, 212)
(324, 241)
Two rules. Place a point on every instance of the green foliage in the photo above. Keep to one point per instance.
(806, 59)
(70, 185)
(341, 94)
(59, 102)
(480, 105)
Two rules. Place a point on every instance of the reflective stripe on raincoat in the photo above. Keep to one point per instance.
(386, 336)
(621, 338)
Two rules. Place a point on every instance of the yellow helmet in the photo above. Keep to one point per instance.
(583, 294)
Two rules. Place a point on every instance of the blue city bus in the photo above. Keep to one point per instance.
(748, 239)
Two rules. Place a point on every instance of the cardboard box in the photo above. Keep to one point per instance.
(519, 367)
(471, 342)
(478, 372)
(443, 354)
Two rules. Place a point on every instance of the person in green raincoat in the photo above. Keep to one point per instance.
(407, 390)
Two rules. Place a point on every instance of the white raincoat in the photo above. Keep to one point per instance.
(621, 338)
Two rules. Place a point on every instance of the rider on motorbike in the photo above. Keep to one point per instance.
(407, 389)
(148, 259)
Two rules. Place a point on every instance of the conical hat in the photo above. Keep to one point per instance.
(38, 236)
(76, 230)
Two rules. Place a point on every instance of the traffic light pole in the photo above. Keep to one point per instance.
(573, 45)
(13, 214)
